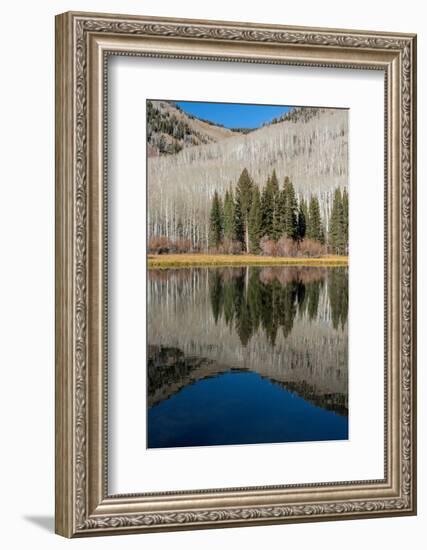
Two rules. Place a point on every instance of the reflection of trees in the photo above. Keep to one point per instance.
(216, 294)
(243, 316)
(278, 307)
(338, 296)
(310, 302)
(219, 319)
(229, 293)
(258, 297)
(250, 298)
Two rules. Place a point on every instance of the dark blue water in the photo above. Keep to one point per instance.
(239, 408)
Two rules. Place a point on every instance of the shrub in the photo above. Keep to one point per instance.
(183, 245)
(229, 246)
(163, 245)
(311, 248)
(286, 247)
(268, 246)
(159, 245)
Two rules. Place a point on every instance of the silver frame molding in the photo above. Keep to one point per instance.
(83, 43)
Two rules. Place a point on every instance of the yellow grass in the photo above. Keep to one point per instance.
(200, 260)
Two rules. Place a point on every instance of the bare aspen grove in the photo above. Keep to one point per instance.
(310, 150)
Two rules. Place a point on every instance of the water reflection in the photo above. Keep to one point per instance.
(287, 325)
(272, 297)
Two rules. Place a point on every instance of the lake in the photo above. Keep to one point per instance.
(241, 355)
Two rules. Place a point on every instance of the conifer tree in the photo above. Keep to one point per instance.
(280, 225)
(314, 227)
(229, 216)
(274, 183)
(239, 230)
(270, 207)
(243, 202)
(215, 222)
(221, 215)
(314, 221)
(267, 208)
(336, 226)
(276, 227)
(345, 219)
(255, 221)
(322, 237)
(302, 219)
(290, 212)
(307, 216)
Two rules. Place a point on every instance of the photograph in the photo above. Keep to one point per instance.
(247, 273)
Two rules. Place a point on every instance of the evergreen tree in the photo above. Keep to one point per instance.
(302, 219)
(243, 201)
(345, 219)
(274, 183)
(314, 222)
(229, 216)
(270, 208)
(239, 228)
(322, 237)
(305, 207)
(215, 222)
(276, 227)
(221, 216)
(267, 209)
(337, 241)
(255, 221)
(280, 218)
(290, 211)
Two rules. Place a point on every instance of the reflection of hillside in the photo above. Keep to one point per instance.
(169, 370)
(287, 324)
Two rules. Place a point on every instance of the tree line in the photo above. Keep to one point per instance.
(273, 221)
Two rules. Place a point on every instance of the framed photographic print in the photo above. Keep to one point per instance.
(235, 274)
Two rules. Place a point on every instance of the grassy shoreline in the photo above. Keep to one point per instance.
(223, 260)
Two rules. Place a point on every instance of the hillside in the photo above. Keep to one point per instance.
(308, 145)
(169, 129)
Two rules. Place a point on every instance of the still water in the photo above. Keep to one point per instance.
(247, 355)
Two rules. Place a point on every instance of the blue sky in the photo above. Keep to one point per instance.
(233, 115)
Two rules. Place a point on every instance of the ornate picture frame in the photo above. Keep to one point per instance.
(84, 42)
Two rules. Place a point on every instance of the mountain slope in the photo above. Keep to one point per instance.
(311, 150)
(170, 129)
